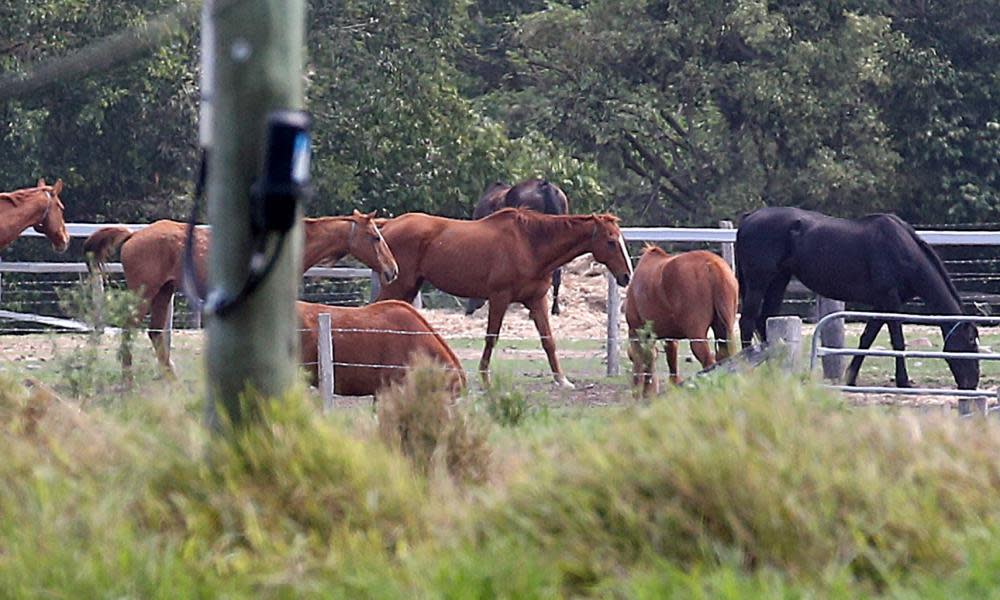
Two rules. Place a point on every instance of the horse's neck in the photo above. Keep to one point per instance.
(555, 243)
(20, 214)
(936, 293)
(326, 239)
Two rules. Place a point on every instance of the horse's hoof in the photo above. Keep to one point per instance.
(904, 384)
(564, 383)
(555, 310)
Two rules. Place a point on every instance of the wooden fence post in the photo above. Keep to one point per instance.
(832, 336)
(258, 52)
(614, 312)
(728, 248)
(325, 357)
(786, 333)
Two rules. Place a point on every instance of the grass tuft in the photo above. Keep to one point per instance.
(420, 419)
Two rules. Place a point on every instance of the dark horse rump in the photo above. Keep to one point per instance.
(537, 194)
(877, 260)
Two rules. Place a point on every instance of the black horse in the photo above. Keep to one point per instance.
(877, 260)
(538, 195)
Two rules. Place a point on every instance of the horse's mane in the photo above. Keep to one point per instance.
(931, 255)
(18, 196)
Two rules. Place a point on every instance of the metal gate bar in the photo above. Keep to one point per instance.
(817, 351)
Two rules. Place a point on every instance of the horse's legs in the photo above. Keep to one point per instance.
(750, 313)
(703, 353)
(158, 310)
(536, 308)
(867, 337)
(643, 365)
(772, 301)
(898, 343)
(722, 331)
(556, 281)
(670, 347)
(498, 307)
(472, 305)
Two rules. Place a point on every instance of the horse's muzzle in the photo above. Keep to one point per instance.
(390, 275)
(622, 279)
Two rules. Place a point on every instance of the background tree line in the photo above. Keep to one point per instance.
(664, 112)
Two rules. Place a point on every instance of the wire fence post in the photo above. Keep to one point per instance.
(614, 314)
(325, 357)
(376, 284)
(831, 336)
(786, 333)
(728, 248)
(168, 326)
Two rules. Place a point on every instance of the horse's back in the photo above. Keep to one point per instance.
(538, 195)
(680, 294)
(491, 201)
(376, 341)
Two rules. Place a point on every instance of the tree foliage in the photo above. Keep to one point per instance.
(665, 112)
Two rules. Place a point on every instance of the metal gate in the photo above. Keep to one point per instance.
(818, 350)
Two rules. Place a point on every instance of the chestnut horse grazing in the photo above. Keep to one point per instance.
(536, 194)
(374, 346)
(507, 257)
(681, 296)
(38, 207)
(152, 259)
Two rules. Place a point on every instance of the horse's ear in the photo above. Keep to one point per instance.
(41, 182)
(357, 213)
(372, 214)
(58, 186)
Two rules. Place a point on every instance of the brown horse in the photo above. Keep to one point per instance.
(506, 257)
(681, 296)
(152, 259)
(374, 346)
(536, 194)
(38, 207)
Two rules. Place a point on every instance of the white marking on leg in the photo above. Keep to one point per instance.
(563, 382)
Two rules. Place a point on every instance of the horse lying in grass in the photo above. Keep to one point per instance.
(374, 346)
(679, 297)
(507, 257)
(38, 207)
(535, 194)
(878, 260)
(152, 259)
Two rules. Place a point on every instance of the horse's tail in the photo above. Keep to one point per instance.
(549, 198)
(724, 301)
(931, 255)
(100, 244)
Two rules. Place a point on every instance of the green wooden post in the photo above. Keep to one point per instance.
(258, 58)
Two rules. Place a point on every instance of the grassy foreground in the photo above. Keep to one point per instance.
(749, 487)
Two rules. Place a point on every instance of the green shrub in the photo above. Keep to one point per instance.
(756, 472)
(505, 403)
(420, 419)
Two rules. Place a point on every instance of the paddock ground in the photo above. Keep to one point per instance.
(520, 362)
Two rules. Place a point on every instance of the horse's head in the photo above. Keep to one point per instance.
(367, 245)
(963, 337)
(52, 225)
(608, 247)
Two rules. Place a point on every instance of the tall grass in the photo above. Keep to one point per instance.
(753, 487)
